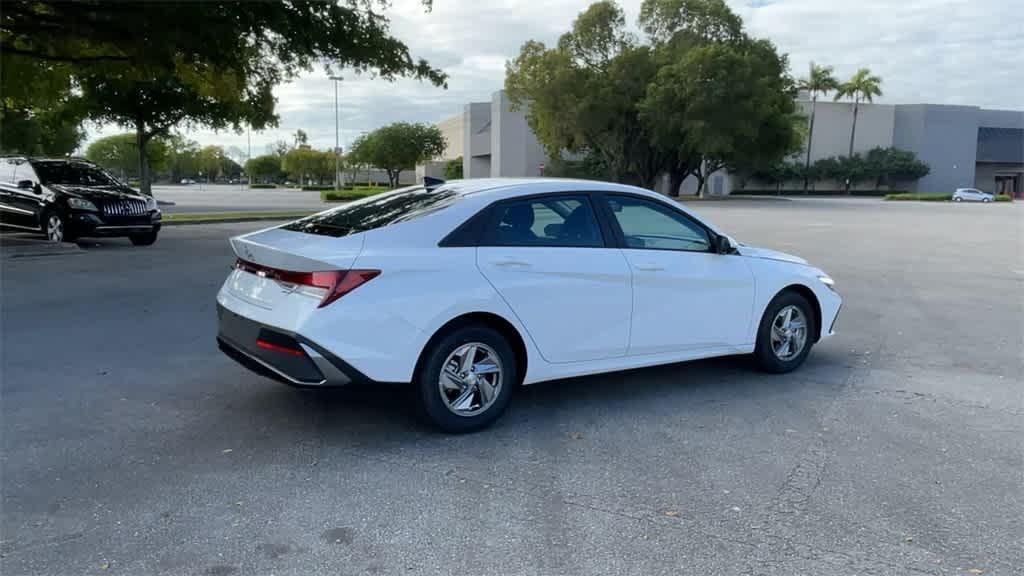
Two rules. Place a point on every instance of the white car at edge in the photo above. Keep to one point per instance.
(470, 288)
(972, 195)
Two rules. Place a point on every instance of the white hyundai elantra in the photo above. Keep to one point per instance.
(468, 289)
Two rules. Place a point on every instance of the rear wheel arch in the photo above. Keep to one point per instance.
(811, 298)
(489, 319)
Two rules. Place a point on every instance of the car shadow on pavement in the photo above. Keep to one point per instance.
(384, 414)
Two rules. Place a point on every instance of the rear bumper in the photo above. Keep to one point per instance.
(283, 356)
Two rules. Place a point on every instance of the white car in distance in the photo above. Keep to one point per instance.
(971, 195)
(468, 289)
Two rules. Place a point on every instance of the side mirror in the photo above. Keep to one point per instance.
(26, 184)
(724, 245)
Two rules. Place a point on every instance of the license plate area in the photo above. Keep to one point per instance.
(255, 289)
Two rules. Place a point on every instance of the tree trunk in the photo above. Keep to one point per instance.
(699, 174)
(853, 133)
(810, 138)
(675, 180)
(140, 142)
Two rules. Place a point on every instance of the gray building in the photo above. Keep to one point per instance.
(493, 141)
(964, 146)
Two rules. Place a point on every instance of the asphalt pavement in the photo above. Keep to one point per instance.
(132, 446)
(234, 198)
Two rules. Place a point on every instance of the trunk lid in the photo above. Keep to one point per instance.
(297, 251)
(290, 251)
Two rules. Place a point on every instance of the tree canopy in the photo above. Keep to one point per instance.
(701, 95)
(399, 146)
(152, 66)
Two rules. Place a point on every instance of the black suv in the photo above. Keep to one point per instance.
(66, 198)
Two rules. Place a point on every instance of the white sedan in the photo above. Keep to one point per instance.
(470, 288)
(971, 195)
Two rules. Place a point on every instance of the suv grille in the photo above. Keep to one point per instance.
(125, 208)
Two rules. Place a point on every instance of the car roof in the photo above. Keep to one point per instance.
(496, 186)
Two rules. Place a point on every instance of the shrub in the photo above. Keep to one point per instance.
(453, 169)
(263, 186)
(1003, 198)
(350, 194)
(317, 188)
(921, 196)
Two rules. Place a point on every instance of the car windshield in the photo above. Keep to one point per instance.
(375, 212)
(78, 173)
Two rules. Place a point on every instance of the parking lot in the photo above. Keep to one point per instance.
(132, 446)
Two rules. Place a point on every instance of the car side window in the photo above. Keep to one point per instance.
(646, 224)
(566, 221)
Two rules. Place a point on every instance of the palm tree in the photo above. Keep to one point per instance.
(862, 86)
(819, 80)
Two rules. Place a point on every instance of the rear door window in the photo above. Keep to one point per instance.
(566, 221)
(375, 212)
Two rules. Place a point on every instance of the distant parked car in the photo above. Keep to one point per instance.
(66, 198)
(971, 195)
(187, 181)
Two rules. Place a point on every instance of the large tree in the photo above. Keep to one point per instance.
(862, 86)
(819, 80)
(119, 154)
(266, 168)
(400, 146)
(582, 94)
(36, 116)
(700, 96)
(724, 104)
(149, 66)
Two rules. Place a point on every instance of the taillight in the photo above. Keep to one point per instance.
(335, 283)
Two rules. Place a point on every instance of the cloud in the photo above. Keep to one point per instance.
(933, 51)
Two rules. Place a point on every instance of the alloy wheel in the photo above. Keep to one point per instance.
(789, 333)
(54, 228)
(470, 379)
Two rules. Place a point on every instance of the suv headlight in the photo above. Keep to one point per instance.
(150, 203)
(828, 281)
(82, 204)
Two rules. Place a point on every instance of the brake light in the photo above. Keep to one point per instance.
(278, 348)
(335, 283)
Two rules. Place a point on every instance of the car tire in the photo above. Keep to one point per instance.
(55, 226)
(146, 239)
(453, 391)
(775, 329)
(957, 199)
(985, 200)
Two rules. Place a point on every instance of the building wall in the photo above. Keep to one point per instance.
(833, 121)
(454, 132)
(476, 140)
(515, 150)
(944, 137)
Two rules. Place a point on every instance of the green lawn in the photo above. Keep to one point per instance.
(220, 216)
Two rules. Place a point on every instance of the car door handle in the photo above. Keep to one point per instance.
(509, 262)
(648, 267)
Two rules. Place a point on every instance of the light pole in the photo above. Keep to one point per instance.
(337, 135)
(248, 156)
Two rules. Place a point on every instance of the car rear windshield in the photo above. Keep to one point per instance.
(375, 212)
(78, 173)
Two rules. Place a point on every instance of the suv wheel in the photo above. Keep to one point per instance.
(55, 227)
(465, 380)
(146, 239)
(786, 334)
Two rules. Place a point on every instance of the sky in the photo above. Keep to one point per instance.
(968, 52)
